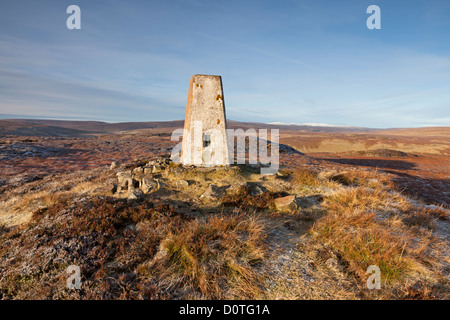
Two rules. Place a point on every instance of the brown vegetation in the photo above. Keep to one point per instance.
(353, 210)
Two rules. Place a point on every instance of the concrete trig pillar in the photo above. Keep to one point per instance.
(205, 137)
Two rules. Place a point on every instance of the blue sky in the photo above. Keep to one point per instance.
(281, 61)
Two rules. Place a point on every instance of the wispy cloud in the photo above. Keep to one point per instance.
(287, 61)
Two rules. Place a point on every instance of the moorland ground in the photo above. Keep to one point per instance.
(362, 197)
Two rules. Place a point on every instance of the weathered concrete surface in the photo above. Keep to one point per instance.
(205, 121)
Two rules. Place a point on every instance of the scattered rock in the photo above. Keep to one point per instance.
(214, 192)
(255, 188)
(235, 188)
(114, 165)
(287, 203)
(181, 184)
(282, 174)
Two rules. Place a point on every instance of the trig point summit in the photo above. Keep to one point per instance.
(205, 138)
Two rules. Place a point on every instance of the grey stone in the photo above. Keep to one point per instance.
(255, 188)
(148, 185)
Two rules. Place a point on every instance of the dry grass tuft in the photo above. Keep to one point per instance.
(215, 258)
(244, 200)
(363, 178)
(359, 229)
(362, 242)
(132, 252)
(305, 177)
(177, 249)
(353, 200)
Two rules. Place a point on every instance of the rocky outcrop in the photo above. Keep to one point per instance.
(142, 179)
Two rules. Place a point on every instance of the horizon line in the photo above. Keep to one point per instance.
(306, 124)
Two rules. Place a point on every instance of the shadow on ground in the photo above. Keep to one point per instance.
(429, 190)
(374, 163)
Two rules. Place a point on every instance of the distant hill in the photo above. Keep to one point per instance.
(64, 128)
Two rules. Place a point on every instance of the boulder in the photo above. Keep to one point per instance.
(287, 203)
